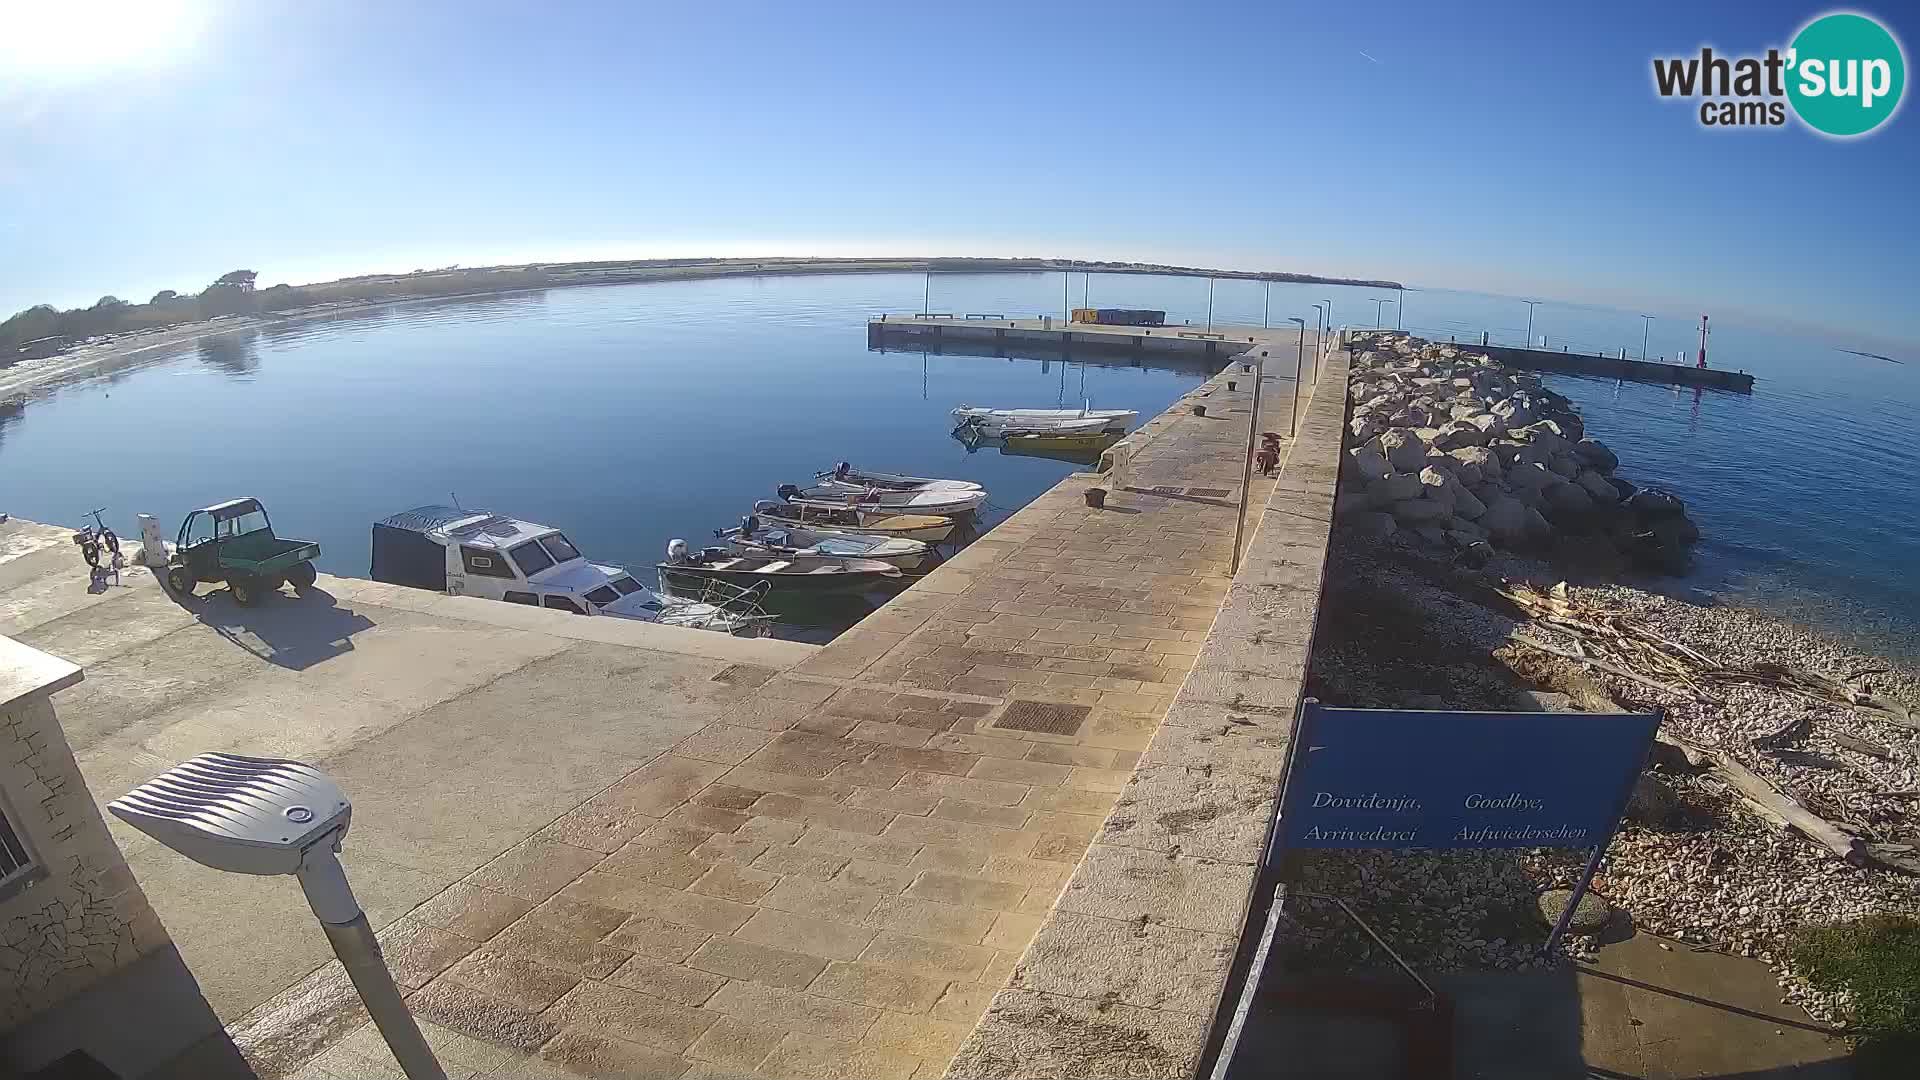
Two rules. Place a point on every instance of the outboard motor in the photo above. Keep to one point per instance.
(677, 552)
(748, 526)
(841, 470)
(787, 491)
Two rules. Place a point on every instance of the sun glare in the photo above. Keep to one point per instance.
(63, 39)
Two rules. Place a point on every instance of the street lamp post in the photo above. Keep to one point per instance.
(1645, 325)
(1299, 350)
(1320, 322)
(1400, 312)
(1329, 302)
(1209, 305)
(926, 295)
(1267, 309)
(1530, 306)
(1066, 278)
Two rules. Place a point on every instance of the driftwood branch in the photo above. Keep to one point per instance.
(1774, 804)
(1611, 669)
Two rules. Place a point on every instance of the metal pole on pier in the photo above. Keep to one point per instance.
(926, 295)
(1648, 322)
(1267, 310)
(1530, 305)
(1400, 311)
(1086, 290)
(1246, 476)
(1209, 305)
(1065, 276)
(1299, 350)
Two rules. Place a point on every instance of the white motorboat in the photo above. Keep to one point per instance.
(847, 474)
(755, 537)
(941, 503)
(465, 552)
(841, 519)
(1000, 421)
(821, 573)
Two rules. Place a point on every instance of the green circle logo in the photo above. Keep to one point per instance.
(1845, 74)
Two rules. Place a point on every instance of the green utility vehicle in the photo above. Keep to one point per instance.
(234, 542)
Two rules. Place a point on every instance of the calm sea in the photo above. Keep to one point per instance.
(631, 415)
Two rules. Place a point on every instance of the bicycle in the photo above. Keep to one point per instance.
(92, 539)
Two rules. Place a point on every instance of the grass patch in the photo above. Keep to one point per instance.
(1876, 960)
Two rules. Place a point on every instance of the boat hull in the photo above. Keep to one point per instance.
(801, 582)
(1001, 421)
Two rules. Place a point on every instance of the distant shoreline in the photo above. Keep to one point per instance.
(27, 375)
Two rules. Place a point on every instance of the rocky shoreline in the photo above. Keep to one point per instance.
(1417, 614)
(1465, 454)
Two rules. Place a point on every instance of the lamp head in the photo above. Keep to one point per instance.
(244, 815)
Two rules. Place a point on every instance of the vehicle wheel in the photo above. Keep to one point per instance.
(303, 577)
(90, 551)
(245, 590)
(181, 580)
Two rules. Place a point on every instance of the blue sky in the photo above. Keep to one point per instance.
(1512, 147)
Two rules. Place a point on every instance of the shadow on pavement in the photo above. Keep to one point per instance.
(290, 630)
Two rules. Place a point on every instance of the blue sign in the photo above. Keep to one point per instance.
(1381, 778)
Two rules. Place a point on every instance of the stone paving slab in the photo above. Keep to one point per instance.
(838, 875)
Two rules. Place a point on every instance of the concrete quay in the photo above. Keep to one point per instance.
(1006, 826)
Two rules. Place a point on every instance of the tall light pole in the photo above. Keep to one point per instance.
(1267, 310)
(1645, 325)
(1299, 351)
(926, 295)
(1065, 277)
(1329, 302)
(1209, 305)
(1400, 312)
(1531, 304)
(1320, 322)
(1086, 290)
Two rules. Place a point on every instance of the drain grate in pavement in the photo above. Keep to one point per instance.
(1210, 493)
(747, 675)
(1164, 490)
(1044, 717)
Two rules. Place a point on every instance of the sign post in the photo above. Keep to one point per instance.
(1384, 778)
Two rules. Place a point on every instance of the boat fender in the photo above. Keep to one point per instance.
(787, 491)
(676, 551)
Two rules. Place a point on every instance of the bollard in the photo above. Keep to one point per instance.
(152, 546)
(1199, 409)
(1096, 497)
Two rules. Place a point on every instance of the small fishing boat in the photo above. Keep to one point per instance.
(997, 421)
(1079, 449)
(755, 537)
(841, 519)
(942, 503)
(847, 474)
(818, 574)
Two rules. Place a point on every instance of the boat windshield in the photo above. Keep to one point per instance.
(560, 547)
(626, 585)
(603, 596)
(531, 558)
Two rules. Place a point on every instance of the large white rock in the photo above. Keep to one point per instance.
(1529, 475)
(1394, 487)
(1480, 458)
(1505, 519)
(1467, 506)
(1368, 462)
(1569, 498)
(1419, 512)
(1598, 486)
(1595, 453)
(1405, 451)
(1458, 433)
